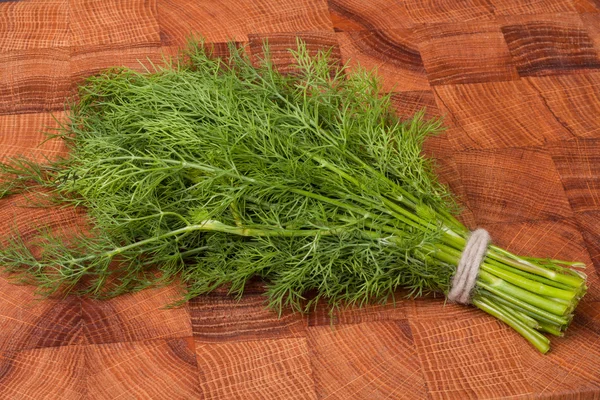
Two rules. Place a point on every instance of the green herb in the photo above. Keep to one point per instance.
(216, 171)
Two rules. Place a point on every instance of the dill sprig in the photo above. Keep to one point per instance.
(216, 171)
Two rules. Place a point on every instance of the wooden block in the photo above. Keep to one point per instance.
(466, 53)
(280, 44)
(588, 316)
(230, 20)
(591, 22)
(89, 61)
(406, 104)
(111, 22)
(590, 229)
(586, 6)
(34, 25)
(453, 369)
(434, 11)
(512, 185)
(569, 369)
(516, 7)
(34, 80)
(393, 310)
(25, 135)
(356, 15)
(374, 360)
(446, 169)
(574, 100)
(30, 322)
(578, 164)
(497, 115)
(392, 54)
(17, 216)
(267, 369)
(218, 317)
(157, 369)
(548, 45)
(51, 373)
(135, 317)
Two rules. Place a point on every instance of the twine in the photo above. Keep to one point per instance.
(472, 256)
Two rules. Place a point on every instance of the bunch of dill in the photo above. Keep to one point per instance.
(216, 171)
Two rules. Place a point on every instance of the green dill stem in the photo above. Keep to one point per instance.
(535, 338)
(520, 282)
(538, 315)
(503, 256)
(532, 286)
(522, 294)
(525, 319)
(559, 319)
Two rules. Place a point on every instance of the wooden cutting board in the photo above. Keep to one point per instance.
(519, 85)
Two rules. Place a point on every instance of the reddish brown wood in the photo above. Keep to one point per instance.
(546, 45)
(466, 53)
(517, 83)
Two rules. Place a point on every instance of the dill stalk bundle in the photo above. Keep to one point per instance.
(216, 171)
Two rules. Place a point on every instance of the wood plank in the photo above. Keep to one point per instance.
(34, 80)
(34, 25)
(48, 373)
(497, 115)
(112, 22)
(157, 369)
(510, 185)
(356, 15)
(394, 54)
(221, 317)
(466, 53)
(230, 20)
(550, 44)
(266, 369)
(373, 360)
(436, 11)
(136, 317)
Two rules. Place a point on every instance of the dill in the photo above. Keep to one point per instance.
(216, 171)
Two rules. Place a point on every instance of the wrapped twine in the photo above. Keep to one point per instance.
(472, 256)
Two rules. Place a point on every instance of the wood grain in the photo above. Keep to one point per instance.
(108, 22)
(34, 80)
(453, 370)
(158, 369)
(220, 317)
(34, 25)
(509, 185)
(272, 369)
(578, 163)
(434, 11)
(356, 15)
(47, 373)
(516, 7)
(573, 99)
(517, 85)
(382, 366)
(497, 115)
(279, 45)
(136, 317)
(466, 53)
(394, 54)
(551, 45)
(221, 21)
(25, 135)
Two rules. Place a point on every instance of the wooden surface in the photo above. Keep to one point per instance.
(519, 84)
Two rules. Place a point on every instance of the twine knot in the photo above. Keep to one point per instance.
(472, 256)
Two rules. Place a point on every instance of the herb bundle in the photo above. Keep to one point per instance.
(216, 171)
